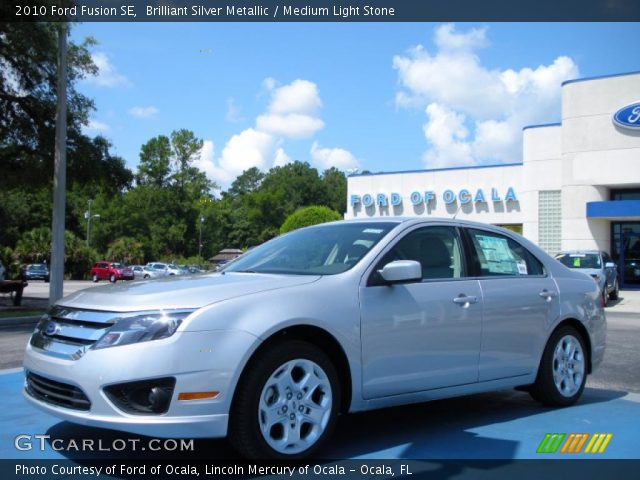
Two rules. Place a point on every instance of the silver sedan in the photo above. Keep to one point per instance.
(340, 317)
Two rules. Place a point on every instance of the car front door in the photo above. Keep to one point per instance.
(422, 335)
(520, 301)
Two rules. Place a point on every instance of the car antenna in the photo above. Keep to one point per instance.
(457, 211)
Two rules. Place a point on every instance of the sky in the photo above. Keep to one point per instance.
(372, 96)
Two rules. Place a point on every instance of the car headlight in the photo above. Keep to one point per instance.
(141, 328)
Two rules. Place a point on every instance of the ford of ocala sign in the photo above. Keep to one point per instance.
(464, 196)
(628, 117)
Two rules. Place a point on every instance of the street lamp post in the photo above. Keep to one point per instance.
(88, 217)
(200, 241)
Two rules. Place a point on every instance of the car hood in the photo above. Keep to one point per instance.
(179, 292)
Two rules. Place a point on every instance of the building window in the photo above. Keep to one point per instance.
(549, 220)
(629, 194)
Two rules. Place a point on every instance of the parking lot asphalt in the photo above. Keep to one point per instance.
(503, 425)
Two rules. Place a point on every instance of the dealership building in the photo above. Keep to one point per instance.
(577, 186)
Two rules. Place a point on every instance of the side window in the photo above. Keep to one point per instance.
(498, 255)
(437, 249)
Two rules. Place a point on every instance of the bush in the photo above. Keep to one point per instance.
(307, 216)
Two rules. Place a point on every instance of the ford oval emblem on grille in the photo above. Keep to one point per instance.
(52, 328)
(628, 117)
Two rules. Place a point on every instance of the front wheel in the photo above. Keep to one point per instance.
(112, 278)
(94, 278)
(286, 405)
(563, 369)
(616, 292)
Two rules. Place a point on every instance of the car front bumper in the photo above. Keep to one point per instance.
(199, 362)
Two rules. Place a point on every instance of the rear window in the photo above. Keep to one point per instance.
(580, 260)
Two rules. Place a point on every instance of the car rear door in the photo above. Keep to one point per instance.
(520, 301)
(423, 335)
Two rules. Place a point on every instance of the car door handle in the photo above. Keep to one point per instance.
(547, 294)
(465, 301)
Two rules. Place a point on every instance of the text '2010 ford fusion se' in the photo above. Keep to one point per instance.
(340, 317)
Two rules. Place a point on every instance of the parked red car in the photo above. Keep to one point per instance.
(111, 271)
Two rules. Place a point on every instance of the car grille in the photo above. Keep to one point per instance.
(68, 333)
(56, 393)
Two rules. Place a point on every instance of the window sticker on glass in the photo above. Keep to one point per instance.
(576, 262)
(498, 255)
(522, 267)
(377, 231)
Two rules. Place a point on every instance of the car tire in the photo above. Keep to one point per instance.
(562, 374)
(145, 277)
(605, 297)
(46, 280)
(290, 389)
(94, 278)
(112, 278)
(616, 292)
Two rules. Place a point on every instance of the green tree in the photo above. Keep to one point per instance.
(335, 184)
(155, 162)
(28, 81)
(247, 182)
(308, 216)
(126, 250)
(185, 148)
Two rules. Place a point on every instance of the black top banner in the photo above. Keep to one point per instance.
(319, 10)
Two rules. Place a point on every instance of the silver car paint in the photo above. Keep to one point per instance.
(238, 311)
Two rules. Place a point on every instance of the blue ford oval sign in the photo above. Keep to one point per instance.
(628, 117)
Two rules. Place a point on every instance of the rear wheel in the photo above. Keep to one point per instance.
(94, 278)
(286, 405)
(563, 369)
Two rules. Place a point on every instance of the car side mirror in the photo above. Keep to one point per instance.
(609, 265)
(401, 271)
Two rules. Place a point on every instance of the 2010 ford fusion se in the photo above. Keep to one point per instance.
(340, 317)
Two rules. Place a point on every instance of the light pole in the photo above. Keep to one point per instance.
(88, 217)
(200, 241)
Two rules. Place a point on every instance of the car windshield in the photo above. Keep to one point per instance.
(117, 265)
(321, 250)
(580, 260)
(39, 268)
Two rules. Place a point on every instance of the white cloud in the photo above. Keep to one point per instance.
(108, 75)
(143, 112)
(292, 113)
(268, 84)
(249, 148)
(97, 126)
(233, 114)
(332, 157)
(206, 160)
(300, 96)
(475, 114)
(292, 110)
(292, 125)
(281, 158)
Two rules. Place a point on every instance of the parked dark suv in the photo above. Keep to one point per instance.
(36, 271)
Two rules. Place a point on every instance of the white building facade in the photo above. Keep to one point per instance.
(576, 188)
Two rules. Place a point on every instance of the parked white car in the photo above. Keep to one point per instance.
(340, 317)
(145, 272)
(164, 268)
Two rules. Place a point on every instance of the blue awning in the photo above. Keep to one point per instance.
(614, 209)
